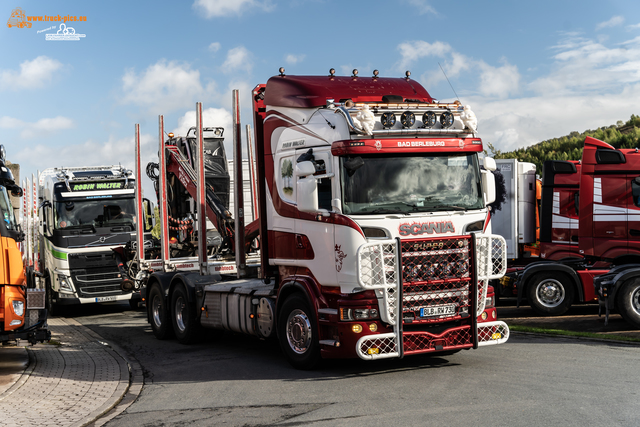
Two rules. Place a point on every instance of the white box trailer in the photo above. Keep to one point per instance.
(516, 220)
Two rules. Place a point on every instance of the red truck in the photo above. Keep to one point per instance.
(588, 223)
(372, 236)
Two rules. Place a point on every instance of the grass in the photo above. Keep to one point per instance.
(518, 328)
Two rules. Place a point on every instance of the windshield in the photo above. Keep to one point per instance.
(94, 213)
(7, 210)
(405, 184)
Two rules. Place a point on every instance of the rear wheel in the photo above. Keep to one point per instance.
(183, 315)
(298, 333)
(629, 302)
(550, 293)
(158, 314)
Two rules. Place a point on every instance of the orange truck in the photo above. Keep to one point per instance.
(22, 312)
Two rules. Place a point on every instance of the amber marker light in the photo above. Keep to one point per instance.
(373, 327)
(357, 328)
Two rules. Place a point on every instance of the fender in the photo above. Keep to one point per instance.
(194, 283)
(622, 274)
(566, 267)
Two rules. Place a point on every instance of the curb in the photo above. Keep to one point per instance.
(592, 339)
(125, 394)
(23, 378)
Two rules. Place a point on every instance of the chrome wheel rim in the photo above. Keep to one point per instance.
(299, 331)
(156, 309)
(179, 310)
(635, 300)
(550, 293)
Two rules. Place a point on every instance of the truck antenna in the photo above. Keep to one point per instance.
(445, 76)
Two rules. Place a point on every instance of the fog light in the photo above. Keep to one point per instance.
(484, 315)
(373, 351)
(18, 307)
(15, 322)
(496, 336)
(373, 327)
(493, 314)
(357, 328)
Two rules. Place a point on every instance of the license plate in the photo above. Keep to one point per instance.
(105, 299)
(438, 310)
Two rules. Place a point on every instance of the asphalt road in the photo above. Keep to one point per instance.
(236, 380)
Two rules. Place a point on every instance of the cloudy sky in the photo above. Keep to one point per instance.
(530, 70)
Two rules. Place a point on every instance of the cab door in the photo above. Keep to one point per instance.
(610, 222)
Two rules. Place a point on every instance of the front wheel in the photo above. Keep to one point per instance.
(629, 302)
(298, 333)
(183, 317)
(159, 314)
(550, 293)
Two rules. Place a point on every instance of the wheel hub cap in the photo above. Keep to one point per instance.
(551, 293)
(299, 331)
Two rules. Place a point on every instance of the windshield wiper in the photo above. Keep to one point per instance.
(447, 208)
(385, 211)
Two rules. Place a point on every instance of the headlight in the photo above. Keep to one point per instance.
(65, 283)
(347, 314)
(18, 307)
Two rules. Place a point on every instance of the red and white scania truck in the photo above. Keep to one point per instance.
(372, 238)
(588, 223)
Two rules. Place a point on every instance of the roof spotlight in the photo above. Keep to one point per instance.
(446, 119)
(388, 119)
(429, 119)
(407, 119)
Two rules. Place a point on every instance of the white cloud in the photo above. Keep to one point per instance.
(164, 86)
(633, 27)
(214, 47)
(613, 22)
(112, 151)
(423, 6)
(238, 59)
(294, 59)
(583, 65)
(499, 82)
(32, 75)
(42, 127)
(217, 8)
(417, 49)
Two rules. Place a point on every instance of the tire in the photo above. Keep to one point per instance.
(550, 293)
(183, 316)
(52, 309)
(298, 333)
(159, 314)
(628, 302)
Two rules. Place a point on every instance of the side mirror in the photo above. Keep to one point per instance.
(489, 164)
(149, 217)
(488, 186)
(306, 187)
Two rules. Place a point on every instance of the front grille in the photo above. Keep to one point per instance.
(437, 286)
(95, 275)
(436, 276)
